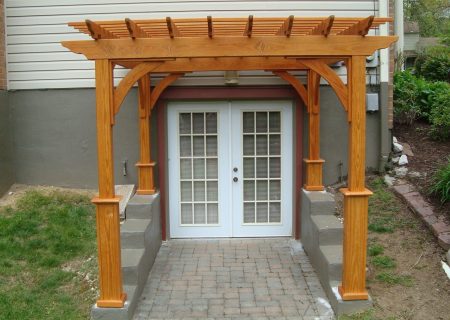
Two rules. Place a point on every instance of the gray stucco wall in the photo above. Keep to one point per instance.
(55, 137)
(6, 145)
(334, 137)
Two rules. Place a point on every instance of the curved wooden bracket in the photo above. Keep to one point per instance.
(333, 79)
(163, 84)
(296, 83)
(129, 80)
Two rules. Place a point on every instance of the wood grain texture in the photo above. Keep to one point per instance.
(313, 181)
(145, 165)
(353, 285)
(295, 83)
(129, 80)
(356, 195)
(185, 47)
(162, 85)
(333, 79)
(107, 205)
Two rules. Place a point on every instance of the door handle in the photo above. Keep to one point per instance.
(235, 179)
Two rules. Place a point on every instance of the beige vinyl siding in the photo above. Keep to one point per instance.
(36, 60)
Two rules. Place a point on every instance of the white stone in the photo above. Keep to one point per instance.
(394, 140)
(389, 180)
(414, 174)
(401, 171)
(398, 147)
(395, 160)
(403, 160)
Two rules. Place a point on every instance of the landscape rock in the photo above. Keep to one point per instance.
(407, 150)
(398, 147)
(389, 180)
(414, 174)
(394, 140)
(401, 172)
(395, 160)
(403, 160)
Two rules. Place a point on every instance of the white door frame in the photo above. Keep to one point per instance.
(229, 128)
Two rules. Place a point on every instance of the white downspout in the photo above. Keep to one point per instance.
(398, 26)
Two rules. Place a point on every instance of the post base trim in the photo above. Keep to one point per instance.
(100, 200)
(349, 296)
(149, 164)
(111, 303)
(347, 193)
(145, 191)
(313, 188)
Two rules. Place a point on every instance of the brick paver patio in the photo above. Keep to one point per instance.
(233, 279)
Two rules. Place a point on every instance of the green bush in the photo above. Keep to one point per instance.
(415, 98)
(441, 183)
(433, 64)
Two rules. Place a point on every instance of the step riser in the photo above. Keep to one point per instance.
(138, 211)
(330, 237)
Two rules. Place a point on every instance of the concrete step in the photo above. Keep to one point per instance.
(328, 228)
(330, 261)
(140, 206)
(136, 264)
(132, 233)
(320, 203)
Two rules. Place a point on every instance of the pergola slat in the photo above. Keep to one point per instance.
(361, 28)
(249, 26)
(324, 28)
(135, 30)
(210, 27)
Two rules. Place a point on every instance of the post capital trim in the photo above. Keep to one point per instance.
(347, 193)
(98, 200)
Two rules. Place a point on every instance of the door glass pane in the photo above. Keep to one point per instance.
(261, 212)
(261, 167)
(261, 144)
(249, 190)
(274, 122)
(249, 145)
(186, 213)
(261, 122)
(249, 167)
(198, 168)
(213, 213)
(185, 146)
(185, 169)
(185, 123)
(198, 122)
(186, 191)
(249, 212)
(199, 147)
(211, 122)
(199, 213)
(249, 122)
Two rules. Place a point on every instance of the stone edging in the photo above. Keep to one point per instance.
(413, 199)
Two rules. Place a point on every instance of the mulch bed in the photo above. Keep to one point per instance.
(429, 155)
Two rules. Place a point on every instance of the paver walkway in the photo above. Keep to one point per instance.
(233, 279)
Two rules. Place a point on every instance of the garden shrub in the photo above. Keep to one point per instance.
(406, 88)
(439, 114)
(441, 183)
(433, 64)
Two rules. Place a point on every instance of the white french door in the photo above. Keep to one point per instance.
(230, 169)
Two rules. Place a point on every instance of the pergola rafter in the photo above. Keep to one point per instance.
(174, 47)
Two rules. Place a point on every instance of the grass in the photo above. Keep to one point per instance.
(384, 262)
(394, 279)
(375, 250)
(45, 243)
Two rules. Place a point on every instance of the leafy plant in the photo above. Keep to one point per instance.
(441, 185)
(375, 250)
(384, 262)
(433, 63)
(439, 115)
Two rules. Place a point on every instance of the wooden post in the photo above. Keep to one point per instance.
(356, 196)
(145, 165)
(107, 204)
(314, 163)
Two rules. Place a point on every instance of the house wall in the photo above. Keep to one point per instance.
(6, 145)
(55, 138)
(35, 28)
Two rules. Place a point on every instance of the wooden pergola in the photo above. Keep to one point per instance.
(173, 47)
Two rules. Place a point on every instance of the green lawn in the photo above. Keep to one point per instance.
(47, 245)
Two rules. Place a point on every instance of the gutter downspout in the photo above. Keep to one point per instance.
(385, 133)
(398, 27)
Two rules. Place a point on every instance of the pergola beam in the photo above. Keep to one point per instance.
(249, 27)
(97, 32)
(151, 48)
(134, 30)
(210, 27)
(286, 28)
(324, 28)
(360, 28)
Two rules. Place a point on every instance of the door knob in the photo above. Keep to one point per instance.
(235, 179)
(235, 169)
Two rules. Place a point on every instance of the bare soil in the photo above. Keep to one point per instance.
(429, 155)
(417, 256)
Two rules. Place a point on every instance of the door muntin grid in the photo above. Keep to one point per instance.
(261, 158)
(198, 165)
